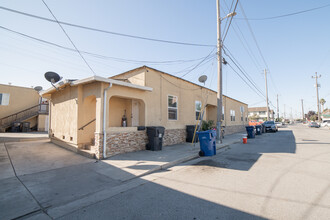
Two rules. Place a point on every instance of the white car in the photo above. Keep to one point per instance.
(325, 124)
(279, 124)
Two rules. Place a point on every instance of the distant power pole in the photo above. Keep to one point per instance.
(266, 95)
(284, 112)
(278, 112)
(317, 95)
(302, 110)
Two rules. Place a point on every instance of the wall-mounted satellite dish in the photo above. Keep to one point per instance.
(202, 79)
(38, 88)
(53, 77)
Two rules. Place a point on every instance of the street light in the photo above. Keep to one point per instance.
(219, 94)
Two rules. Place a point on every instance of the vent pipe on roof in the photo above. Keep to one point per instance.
(104, 120)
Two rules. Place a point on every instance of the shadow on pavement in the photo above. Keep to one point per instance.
(154, 201)
(51, 182)
(244, 156)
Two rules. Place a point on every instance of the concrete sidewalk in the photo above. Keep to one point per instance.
(141, 163)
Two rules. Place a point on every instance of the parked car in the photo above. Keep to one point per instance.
(313, 125)
(270, 126)
(279, 124)
(325, 124)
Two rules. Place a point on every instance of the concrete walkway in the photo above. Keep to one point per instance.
(141, 163)
(41, 178)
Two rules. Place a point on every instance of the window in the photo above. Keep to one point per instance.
(198, 108)
(4, 98)
(223, 113)
(172, 107)
(232, 115)
(242, 113)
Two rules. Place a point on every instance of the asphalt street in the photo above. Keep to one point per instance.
(283, 175)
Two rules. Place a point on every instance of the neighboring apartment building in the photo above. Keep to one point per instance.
(260, 113)
(325, 116)
(21, 104)
(83, 111)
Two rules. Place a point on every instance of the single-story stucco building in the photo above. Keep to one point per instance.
(90, 113)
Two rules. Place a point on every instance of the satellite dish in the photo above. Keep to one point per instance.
(52, 77)
(38, 88)
(202, 78)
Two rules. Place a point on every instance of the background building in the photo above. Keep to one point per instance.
(21, 104)
(260, 113)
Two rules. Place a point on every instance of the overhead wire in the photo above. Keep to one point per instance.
(287, 15)
(231, 18)
(239, 66)
(198, 64)
(69, 38)
(247, 47)
(256, 42)
(106, 31)
(100, 55)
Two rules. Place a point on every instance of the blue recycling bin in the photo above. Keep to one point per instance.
(250, 131)
(258, 129)
(207, 142)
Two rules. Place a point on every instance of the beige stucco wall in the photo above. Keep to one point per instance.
(63, 121)
(231, 104)
(20, 99)
(42, 122)
(187, 93)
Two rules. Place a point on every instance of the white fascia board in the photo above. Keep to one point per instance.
(113, 81)
(52, 89)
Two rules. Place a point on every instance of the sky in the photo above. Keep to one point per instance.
(290, 48)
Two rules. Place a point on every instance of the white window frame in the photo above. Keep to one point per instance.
(242, 113)
(223, 113)
(199, 111)
(176, 108)
(4, 99)
(232, 115)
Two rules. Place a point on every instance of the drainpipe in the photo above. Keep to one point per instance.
(104, 120)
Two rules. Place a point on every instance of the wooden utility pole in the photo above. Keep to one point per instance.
(317, 95)
(266, 95)
(302, 110)
(278, 111)
(219, 94)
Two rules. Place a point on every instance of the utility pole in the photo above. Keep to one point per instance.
(284, 112)
(302, 110)
(266, 95)
(278, 111)
(219, 94)
(317, 95)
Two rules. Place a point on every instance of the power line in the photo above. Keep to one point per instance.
(247, 47)
(69, 38)
(287, 15)
(248, 77)
(99, 55)
(106, 31)
(244, 81)
(253, 36)
(198, 64)
(231, 18)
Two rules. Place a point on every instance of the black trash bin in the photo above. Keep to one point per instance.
(25, 127)
(190, 134)
(16, 127)
(155, 137)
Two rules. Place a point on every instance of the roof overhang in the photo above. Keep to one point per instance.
(93, 79)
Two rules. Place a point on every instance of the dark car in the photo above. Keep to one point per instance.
(313, 125)
(270, 126)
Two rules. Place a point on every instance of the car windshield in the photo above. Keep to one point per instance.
(269, 122)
